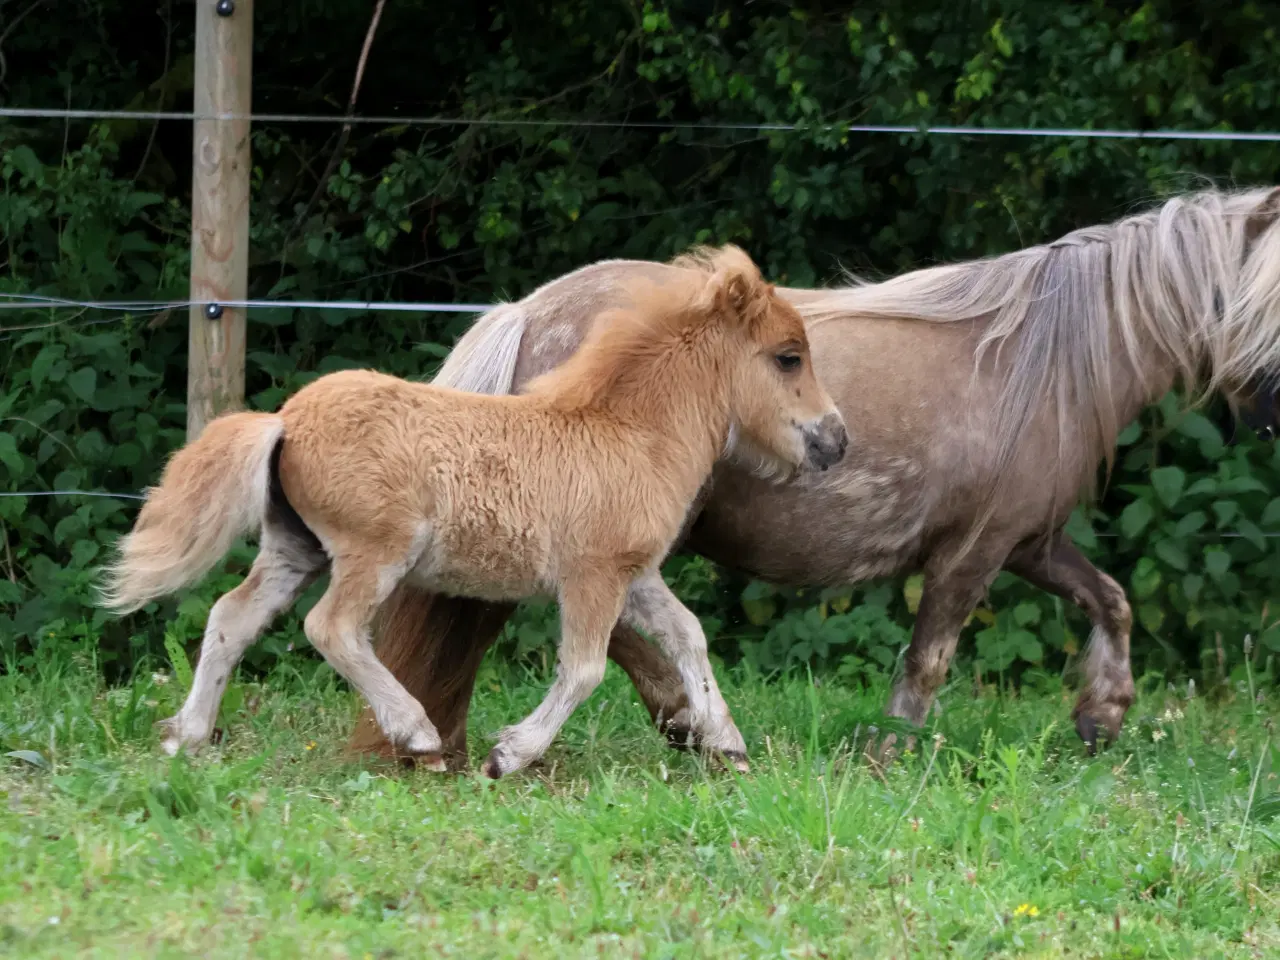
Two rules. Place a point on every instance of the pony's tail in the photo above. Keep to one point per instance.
(484, 358)
(212, 491)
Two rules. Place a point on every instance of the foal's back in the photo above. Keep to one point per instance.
(494, 493)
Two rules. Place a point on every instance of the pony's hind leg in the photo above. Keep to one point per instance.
(1108, 679)
(589, 607)
(658, 684)
(654, 609)
(340, 625)
(285, 566)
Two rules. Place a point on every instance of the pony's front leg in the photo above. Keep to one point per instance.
(589, 607)
(949, 597)
(652, 608)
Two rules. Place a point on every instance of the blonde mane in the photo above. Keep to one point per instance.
(1192, 286)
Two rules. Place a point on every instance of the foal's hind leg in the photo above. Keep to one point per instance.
(589, 607)
(339, 626)
(653, 608)
(284, 568)
(1108, 680)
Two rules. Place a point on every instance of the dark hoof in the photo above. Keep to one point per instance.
(1087, 727)
(496, 764)
(1099, 721)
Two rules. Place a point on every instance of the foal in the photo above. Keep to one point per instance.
(575, 489)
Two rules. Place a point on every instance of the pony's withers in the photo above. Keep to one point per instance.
(574, 489)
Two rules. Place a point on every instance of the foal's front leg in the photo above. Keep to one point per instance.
(652, 608)
(589, 607)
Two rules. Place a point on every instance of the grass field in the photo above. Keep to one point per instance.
(999, 839)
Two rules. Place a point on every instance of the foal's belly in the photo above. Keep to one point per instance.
(493, 563)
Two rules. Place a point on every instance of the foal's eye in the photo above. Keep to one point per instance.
(788, 362)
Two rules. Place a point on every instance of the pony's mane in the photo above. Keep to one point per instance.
(1197, 278)
(716, 287)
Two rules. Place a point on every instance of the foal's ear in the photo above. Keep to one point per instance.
(736, 286)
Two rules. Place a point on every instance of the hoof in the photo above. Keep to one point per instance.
(1096, 721)
(884, 752)
(421, 743)
(433, 762)
(173, 741)
(1087, 727)
(497, 764)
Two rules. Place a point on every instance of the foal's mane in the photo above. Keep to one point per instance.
(1193, 283)
(718, 287)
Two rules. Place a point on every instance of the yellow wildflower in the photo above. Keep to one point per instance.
(1027, 910)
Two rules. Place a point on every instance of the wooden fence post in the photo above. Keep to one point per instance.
(219, 210)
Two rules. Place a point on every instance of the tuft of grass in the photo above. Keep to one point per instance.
(996, 838)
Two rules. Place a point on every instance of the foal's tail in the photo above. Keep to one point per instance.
(212, 491)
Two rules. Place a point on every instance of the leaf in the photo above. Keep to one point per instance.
(25, 162)
(1026, 613)
(1031, 650)
(912, 591)
(1238, 485)
(1172, 554)
(1203, 485)
(44, 362)
(1189, 524)
(83, 383)
(1192, 584)
(1200, 428)
(178, 658)
(28, 756)
(1146, 578)
(1168, 483)
(1129, 434)
(1080, 530)
(9, 455)
(1216, 562)
(1225, 511)
(1135, 517)
(1151, 615)
(1251, 532)
(1271, 515)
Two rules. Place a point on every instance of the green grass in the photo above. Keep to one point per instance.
(1002, 841)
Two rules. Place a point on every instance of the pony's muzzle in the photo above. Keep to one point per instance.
(825, 441)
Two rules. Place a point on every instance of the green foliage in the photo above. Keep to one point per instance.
(471, 213)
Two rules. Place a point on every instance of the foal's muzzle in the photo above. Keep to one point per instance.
(825, 441)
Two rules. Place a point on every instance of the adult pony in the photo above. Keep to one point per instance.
(981, 398)
(575, 489)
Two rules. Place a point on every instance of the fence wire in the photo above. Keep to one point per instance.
(53, 113)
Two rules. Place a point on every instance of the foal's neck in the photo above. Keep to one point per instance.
(668, 385)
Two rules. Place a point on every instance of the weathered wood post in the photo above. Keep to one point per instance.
(219, 209)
